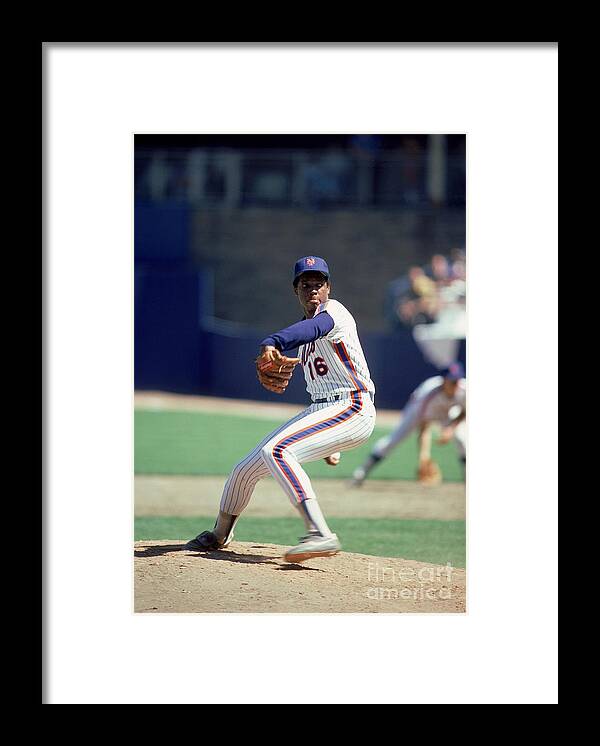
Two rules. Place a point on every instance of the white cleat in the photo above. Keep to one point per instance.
(313, 545)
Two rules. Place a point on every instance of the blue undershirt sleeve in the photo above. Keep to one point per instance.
(308, 330)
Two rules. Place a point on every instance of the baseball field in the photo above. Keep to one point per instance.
(403, 544)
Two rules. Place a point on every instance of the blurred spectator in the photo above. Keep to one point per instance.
(459, 264)
(459, 270)
(421, 285)
(431, 295)
(457, 255)
(440, 269)
(418, 304)
(454, 294)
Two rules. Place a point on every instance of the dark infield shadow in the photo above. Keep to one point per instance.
(220, 556)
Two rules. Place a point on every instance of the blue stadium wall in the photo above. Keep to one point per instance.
(178, 348)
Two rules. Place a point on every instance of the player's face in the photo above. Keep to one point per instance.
(312, 289)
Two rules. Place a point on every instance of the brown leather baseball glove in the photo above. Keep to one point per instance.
(275, 370)
(429, 473)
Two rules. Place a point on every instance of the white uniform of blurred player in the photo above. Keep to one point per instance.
(440, 400)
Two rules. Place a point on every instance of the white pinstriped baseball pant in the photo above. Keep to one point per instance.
(313, 434)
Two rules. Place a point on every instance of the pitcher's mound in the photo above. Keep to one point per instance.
(254, 578)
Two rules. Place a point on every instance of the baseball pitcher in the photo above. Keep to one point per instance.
(340, 417)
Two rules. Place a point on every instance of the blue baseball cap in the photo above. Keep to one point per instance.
(310, 264)
(453, 372)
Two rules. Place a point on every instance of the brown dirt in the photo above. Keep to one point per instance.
(189, 496)
(253, 578)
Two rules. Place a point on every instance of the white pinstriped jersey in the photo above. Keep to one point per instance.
(433, 403)
(335, 364)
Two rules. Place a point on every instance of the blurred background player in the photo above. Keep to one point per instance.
(440, 400)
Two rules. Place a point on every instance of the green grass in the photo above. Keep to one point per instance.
(438, 542)
(211, 444)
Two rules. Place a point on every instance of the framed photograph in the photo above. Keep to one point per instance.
(258, 330)
(300, 385)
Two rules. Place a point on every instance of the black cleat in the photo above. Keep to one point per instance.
(207, 540)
